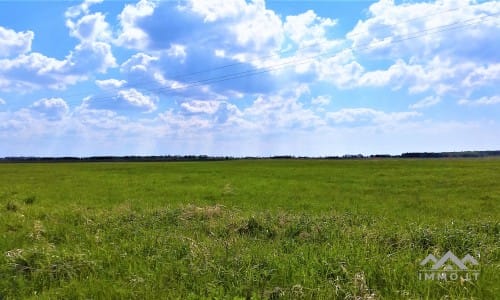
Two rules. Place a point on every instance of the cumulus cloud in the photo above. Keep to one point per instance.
(351, 115)
(437, 60)
(217, 113)
(192, 36)
(91, 57)
(139, 62)
(481, 101)
(29, 71)
(308, 29)
(426, 102)
(94, 51)
(51, 108)
(277, 112)
(131, 34)
(396, 75)
(341, 69)
(388, 22)
(267, 114)
(90, 28)
(197, 106)
(146, 71)
(440, 75)
(244, 29)
(482, 75)
(127, 99)
(14, 43)
(32, 70)
(137, 99)
(321, 100)
(110, 83)
(83, 8)
(256, 28)
(35, 70)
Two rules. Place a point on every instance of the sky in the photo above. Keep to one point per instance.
(248, 78)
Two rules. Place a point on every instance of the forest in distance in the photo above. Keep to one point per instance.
(107, 158)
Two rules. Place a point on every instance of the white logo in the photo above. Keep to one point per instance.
(449, 267)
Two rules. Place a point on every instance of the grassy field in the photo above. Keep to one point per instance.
(268, 229)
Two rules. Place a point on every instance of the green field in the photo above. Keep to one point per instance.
(265, 229)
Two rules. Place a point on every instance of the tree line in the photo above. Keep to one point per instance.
(460, 154)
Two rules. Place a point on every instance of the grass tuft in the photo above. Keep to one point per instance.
(11, 206)
(29, 200)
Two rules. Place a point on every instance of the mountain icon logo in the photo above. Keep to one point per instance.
(449, 262)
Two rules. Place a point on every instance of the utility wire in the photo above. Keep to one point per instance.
(178, 77)
(268, 69)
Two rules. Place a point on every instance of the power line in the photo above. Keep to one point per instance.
(267, 69)
(178, 77)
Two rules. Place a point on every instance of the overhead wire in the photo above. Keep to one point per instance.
(178, 77)
(305, 60)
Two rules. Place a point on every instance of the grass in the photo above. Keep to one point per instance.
(286, 229)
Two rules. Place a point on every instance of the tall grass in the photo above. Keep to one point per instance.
(246, 230)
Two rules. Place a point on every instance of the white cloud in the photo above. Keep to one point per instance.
(110, 83)
(2, 102)
(197, 106)
(340, 69)
(51, 108)
(426, 102)
(90, 28)
(245, 30)
(131, 35)
(481, 101)
(438, 75)
(137, 99)
(395, 75)
(177, 51)
(35, 70)
(308, 29)
(258, 29)
(94, 53)
(442, 62)
(350, 115)
(214, 114)
(32, 70)
(126, 100)
(139, 62)
(267, 115)
(321, 100)
(182, 125)
(87, 132)
(100, 119)
(83, 8)
(187, 35)
(278, 112)
(216, 10)
(250, 27)
(91, 57)
(14, 43)
(483, 75)
(144, 69)
(388, 19)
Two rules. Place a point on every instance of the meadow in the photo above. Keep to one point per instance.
(247, 229)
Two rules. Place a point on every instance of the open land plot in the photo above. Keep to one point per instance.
(263, 229)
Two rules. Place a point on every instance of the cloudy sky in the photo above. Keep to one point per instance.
(235, 77)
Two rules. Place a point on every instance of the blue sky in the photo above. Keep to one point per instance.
(235, 77)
